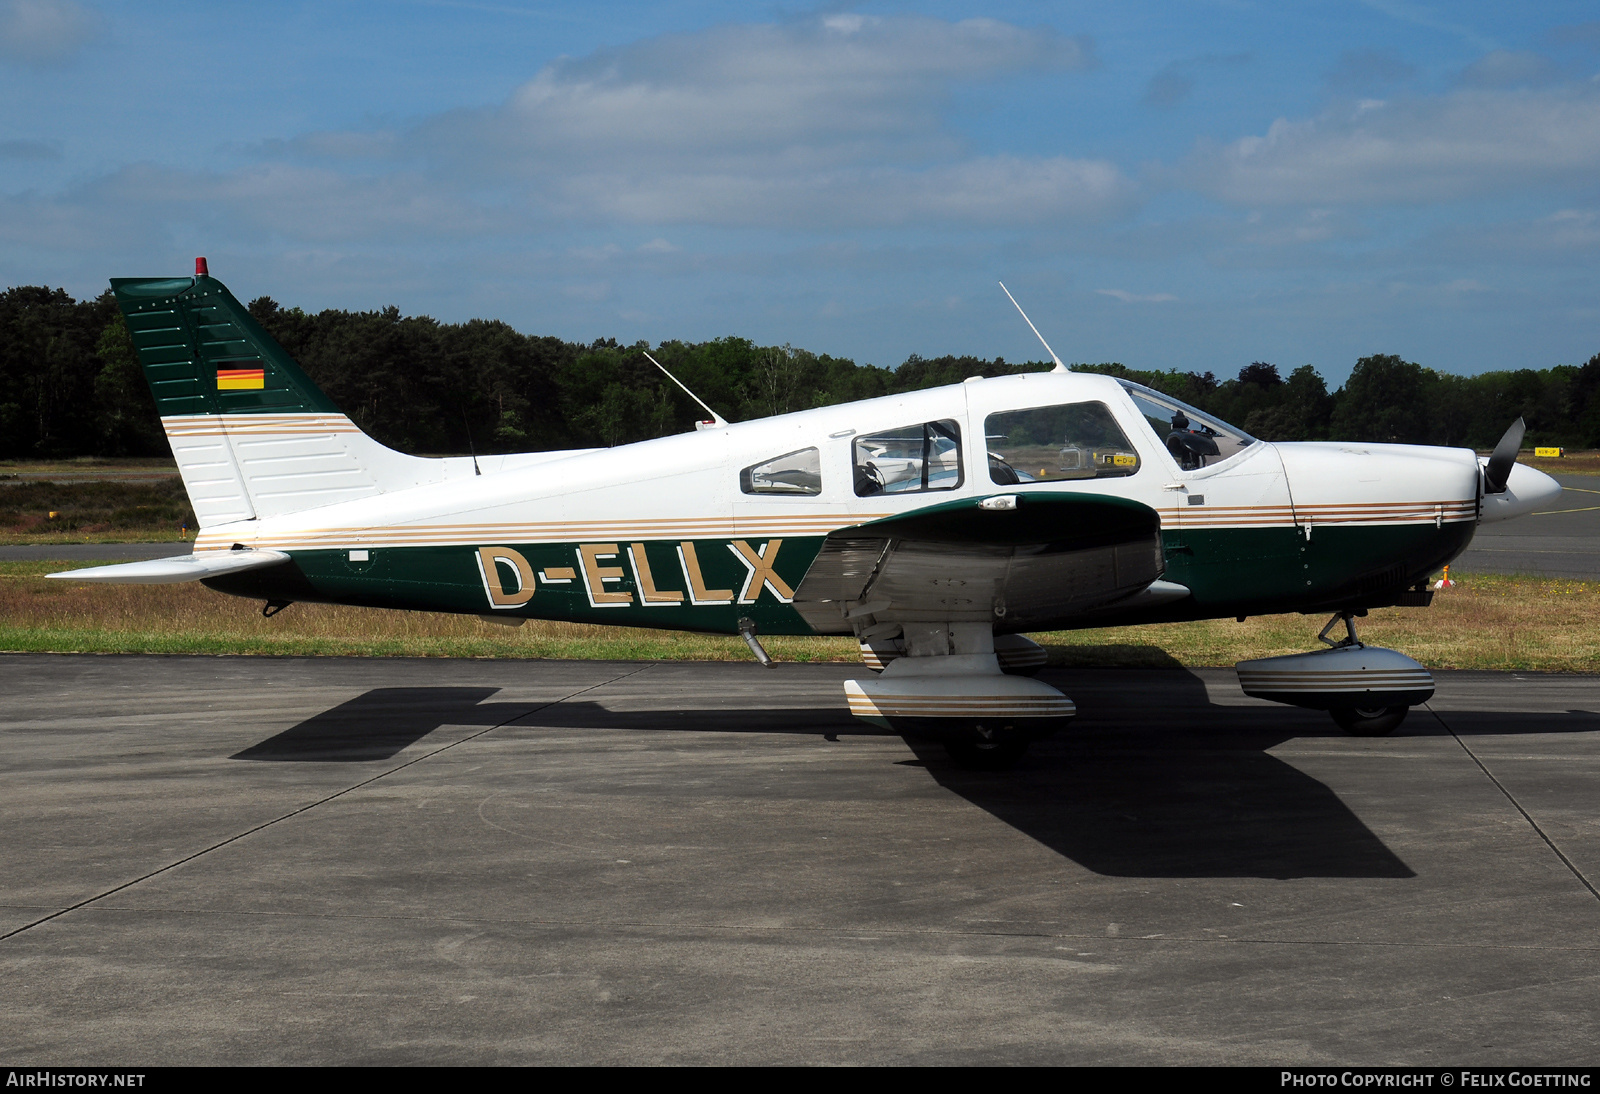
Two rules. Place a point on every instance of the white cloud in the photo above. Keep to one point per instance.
(1134, 298)
(988, 190)
(591, 291)
(809, 94)
(274, 201)
(1572, 228)
(834, 121)
(43, 32)
(1299, 227)
(1463, 144)
(1563, 237)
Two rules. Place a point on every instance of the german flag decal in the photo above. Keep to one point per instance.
(241, 379)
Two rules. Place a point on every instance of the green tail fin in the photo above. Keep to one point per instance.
(253, 437)
(203, 353)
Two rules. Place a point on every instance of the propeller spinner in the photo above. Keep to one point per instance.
(1497, 471)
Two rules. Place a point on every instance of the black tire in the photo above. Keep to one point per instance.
(987, 755)
(1369, 721)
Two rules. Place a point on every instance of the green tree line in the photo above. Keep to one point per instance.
(70, 385)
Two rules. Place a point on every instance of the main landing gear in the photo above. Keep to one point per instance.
(944, 682)
(1367, 689)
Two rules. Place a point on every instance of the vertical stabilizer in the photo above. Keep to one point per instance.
(253, 436)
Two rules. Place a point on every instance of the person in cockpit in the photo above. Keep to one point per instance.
(1190, 447)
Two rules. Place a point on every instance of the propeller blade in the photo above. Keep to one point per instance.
(1505, 454)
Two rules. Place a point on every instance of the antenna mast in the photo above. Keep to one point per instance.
(1059, 366)
(716, 419)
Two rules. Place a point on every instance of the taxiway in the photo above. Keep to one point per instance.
(242, 860)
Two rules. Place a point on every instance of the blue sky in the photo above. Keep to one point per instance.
(1192, 185)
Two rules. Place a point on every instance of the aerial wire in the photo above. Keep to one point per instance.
(716, 418)
(1059, 366)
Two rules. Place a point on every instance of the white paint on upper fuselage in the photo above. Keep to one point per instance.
(688, 485)
(239, 467)
(1339, 479)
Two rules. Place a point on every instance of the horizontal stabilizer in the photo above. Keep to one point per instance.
(171, 571)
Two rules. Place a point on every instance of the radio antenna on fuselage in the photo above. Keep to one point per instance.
(716, 419)
(1059, 366)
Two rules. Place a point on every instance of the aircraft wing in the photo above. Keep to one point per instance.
(1021, 561)
(171, 571)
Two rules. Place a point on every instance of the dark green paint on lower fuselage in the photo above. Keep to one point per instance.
(447, 579)
(1271, 571)
(1230, 572)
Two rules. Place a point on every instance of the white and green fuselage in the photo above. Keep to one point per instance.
(667, 533)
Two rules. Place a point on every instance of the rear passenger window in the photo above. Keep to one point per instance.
(798, 472)
(909, 460)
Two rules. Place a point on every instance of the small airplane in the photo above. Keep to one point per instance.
(937, 527)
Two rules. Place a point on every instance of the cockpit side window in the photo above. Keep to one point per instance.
(1069, 441)
(909, 460)
(797, 473)
(1194, 438)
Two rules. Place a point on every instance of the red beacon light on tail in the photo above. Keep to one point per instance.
(200, 268)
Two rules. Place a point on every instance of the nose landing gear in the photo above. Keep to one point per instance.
(1367, 689)
(1369, 721)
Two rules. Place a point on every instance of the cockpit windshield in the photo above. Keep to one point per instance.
(1195, 439)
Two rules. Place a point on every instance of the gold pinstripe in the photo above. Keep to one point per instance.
(445, 535)
(720, 527)
(1244, 516)
(288, 425)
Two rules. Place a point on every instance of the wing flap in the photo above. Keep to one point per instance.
(1033, 560)
(179, 568)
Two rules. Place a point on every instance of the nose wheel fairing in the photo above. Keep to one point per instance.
(1352, 677)
(1367, 689)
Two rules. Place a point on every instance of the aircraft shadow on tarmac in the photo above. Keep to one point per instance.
(378, 724)
(1153, 780)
